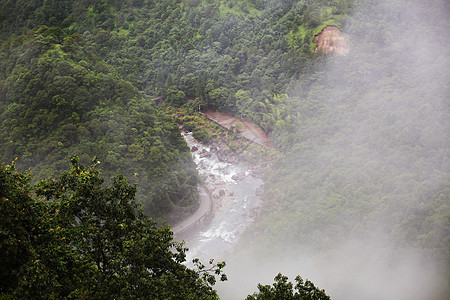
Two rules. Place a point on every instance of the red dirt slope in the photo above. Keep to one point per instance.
(331, 39)
(246, 128)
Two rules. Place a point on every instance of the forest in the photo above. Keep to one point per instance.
(77, 78)
(363, 138)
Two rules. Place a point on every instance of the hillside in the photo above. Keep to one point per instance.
(73, 73)
(363, 185)
(58, 98)
(363, 134)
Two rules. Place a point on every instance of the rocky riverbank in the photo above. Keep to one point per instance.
(217, 176)
(233, 189)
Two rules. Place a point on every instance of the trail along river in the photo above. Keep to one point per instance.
(233, 191)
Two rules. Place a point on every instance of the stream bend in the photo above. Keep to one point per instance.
(228, 203)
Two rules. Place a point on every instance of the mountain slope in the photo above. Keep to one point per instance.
(60, 99)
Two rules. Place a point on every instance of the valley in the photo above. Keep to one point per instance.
(314, 142)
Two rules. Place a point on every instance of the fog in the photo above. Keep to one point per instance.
(392, 95)
(354, 270)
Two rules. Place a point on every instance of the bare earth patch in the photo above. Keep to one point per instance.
(245, 127)
(331, 39)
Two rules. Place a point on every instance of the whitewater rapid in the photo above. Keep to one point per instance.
(234, 192)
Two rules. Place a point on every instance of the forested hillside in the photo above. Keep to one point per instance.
(60, 98)
(364, 179)
(73, 73)
(363, 138)
(232, 55)
(368, 149)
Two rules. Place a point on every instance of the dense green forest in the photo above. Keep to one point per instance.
(363, 138)
(368, 149)
(372, 139)
(77, 78)
(72, 238)
(59, 98)
(365, 145)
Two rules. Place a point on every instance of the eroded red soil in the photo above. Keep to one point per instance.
(246, 128)
(331, 39)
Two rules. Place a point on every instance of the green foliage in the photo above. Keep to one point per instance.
(61, 99)
(73, 238)
(252, 154)
(74, 76)
(201, 49)
(19, 215)
(282, 289)
(364, 148)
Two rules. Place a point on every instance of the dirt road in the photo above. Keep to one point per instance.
(205, 209)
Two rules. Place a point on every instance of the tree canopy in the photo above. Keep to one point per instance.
(283, 289)
(363, 139)
(73, 237)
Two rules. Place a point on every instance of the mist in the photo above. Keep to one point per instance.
(373, 153)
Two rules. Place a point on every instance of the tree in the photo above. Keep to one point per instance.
(175, 97)
(75, 238)
(19, 217)
(282, 289)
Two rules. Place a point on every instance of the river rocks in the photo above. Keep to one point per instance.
(225, 154)
(258, 173)
(219, 193)
(218, 157)
(213, 184)
(228, 156)
(205, 153)
(201, 165)
(228, 184)
(239, 176)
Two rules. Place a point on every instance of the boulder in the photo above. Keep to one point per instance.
(194, 148)
(238, 177)
(205, 153)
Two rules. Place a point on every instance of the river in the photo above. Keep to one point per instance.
(233, 191)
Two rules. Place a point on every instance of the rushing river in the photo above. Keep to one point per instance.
(234, 192)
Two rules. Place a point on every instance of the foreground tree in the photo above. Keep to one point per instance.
(75, 238)
(282, 289)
